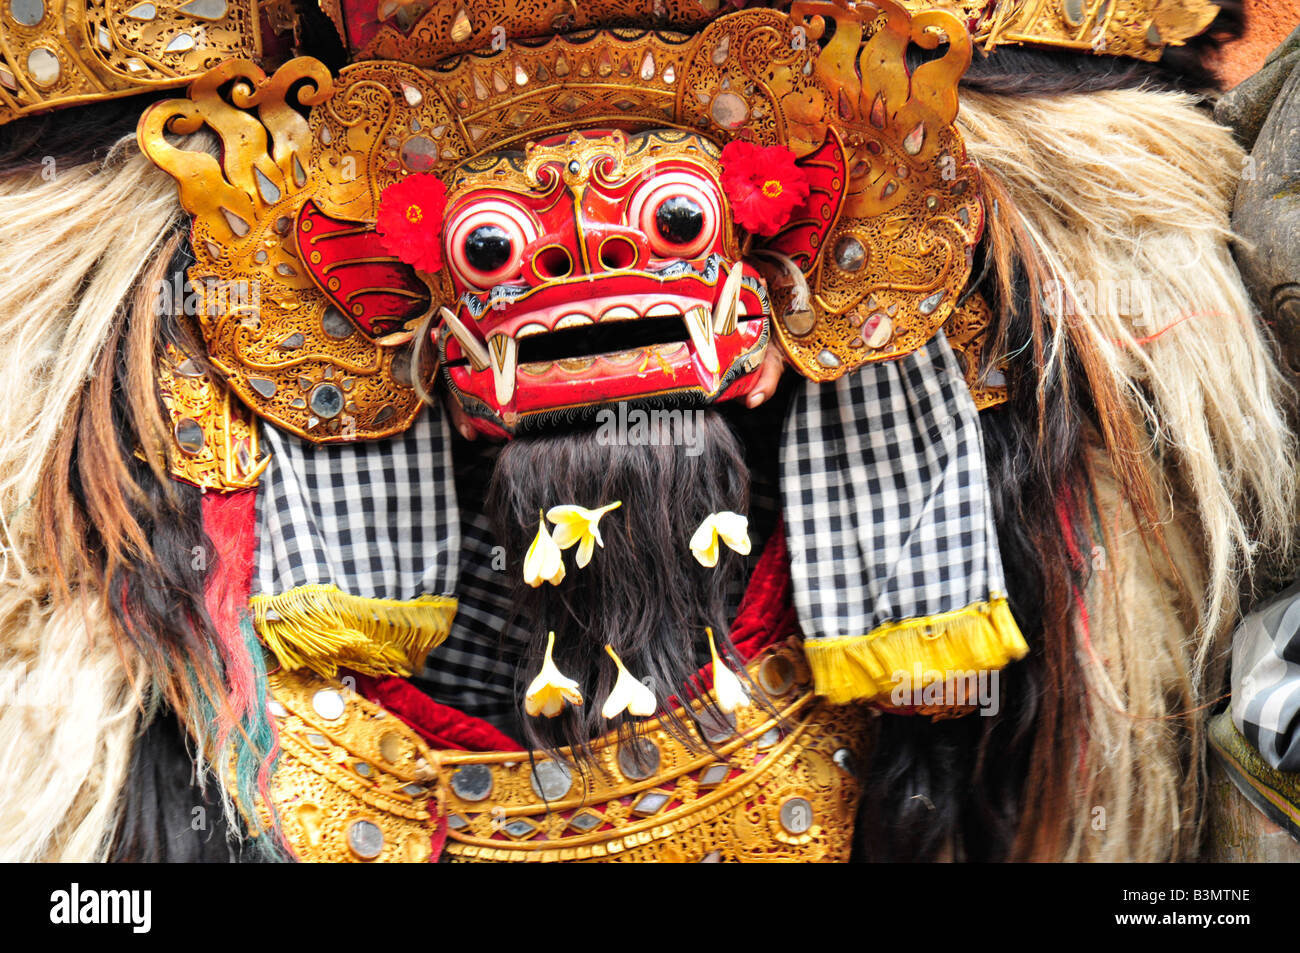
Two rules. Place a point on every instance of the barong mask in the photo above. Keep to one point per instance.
(594, 268)
(562, 232)
(312, 331)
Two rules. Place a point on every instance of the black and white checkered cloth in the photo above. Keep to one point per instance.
(377, 519)
(881, 478)
(393, 519)
(886, 498)
(474, 669)
(1266, 679)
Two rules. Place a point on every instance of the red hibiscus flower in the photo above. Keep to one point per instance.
(763, 185)
(410, 220)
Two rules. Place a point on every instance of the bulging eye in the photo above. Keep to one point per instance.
(679, 212)
(485, 242)
(488, 248)
(679, 219)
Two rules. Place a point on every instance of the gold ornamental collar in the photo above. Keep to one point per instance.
(354, 783)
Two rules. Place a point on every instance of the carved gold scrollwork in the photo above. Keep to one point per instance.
(285, 350)
(772, 789)
(214, 443)
(885, 270)
(62, 52)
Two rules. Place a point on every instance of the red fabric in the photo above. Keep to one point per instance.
(766, 614)
(361, 19)
(230, 522)
(438, 839)
(440, 725)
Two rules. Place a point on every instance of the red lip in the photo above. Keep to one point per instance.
(586, 342)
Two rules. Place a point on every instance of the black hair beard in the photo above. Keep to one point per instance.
(643, 594)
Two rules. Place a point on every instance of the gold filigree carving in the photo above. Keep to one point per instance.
(285, 349)
(56, 54)
(424, 32)
(966, 330)
(352, 781)
(1141, 29)
(773, 790)
(214, 442)
(899, 255)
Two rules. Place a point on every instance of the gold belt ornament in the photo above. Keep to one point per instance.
(355, 783)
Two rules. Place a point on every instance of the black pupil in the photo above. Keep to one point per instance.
(487, 248)
(680, 220)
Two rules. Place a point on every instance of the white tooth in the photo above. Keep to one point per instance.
(505, 356)
(700, 325)
(472, 346)
(663, 311)
(573, 321)
(396, 339)
(724, 312)
(528, 329)
(620, 312)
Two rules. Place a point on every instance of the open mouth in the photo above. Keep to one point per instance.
(653, 339)
(630, 330)
(611, 339)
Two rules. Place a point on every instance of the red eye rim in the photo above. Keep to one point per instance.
(645, 203)
(516, 222)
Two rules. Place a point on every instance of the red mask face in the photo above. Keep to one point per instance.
(592, 269)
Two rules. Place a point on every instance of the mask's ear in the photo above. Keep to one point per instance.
(827, 169)
(378, 292)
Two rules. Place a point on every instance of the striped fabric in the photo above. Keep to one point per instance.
(1266, 679)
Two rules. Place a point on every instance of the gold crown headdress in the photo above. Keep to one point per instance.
(895, 201)
(63, 52)
(421, 32)
(1140, 29)
(56, 53)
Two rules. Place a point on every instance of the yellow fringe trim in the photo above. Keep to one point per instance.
(323, 628)
(980, 637)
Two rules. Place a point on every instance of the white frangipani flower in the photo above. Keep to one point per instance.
(628, 693)
(577, 524)
(731, 528)
(549, 691)
(543, 562)
(727, 687)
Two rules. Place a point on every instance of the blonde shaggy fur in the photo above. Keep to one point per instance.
(71, 251)
(1123, 187)
(1127, 195)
